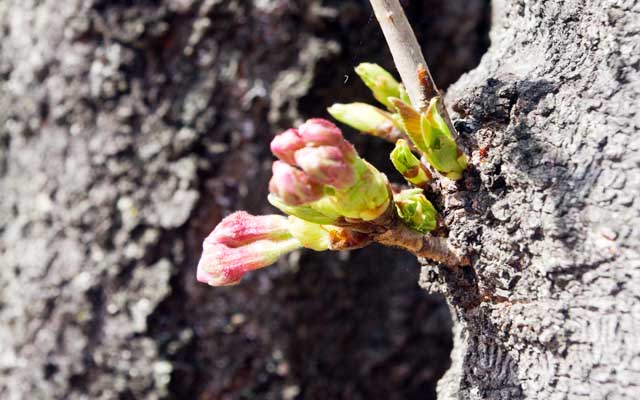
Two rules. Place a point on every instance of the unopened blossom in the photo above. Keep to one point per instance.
(320, 132)
(285, 145)
(241, 228)
(242, 243)
(326, 165)
(328, 179)
(292, 185)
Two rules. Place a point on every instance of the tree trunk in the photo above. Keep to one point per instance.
(129, 128)
(550, 308)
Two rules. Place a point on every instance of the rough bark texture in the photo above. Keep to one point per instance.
(129, 128)
(550, 212)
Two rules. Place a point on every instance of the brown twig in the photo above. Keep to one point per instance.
(428, 246)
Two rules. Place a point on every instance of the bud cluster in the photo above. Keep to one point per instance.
(320, 177)
(428, 130)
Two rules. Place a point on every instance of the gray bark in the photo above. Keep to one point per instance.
(128, 130)
(550, 308)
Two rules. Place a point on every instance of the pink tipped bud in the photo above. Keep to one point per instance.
(326, 165)
(285, 144)
(320, 132)
(292, 185)
(241, 228)
(221, 265)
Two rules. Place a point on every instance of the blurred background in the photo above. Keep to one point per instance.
(129, 129)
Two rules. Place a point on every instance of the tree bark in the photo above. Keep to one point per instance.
(549, 211)
(128, 129)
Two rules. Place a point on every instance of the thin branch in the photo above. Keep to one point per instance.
(406, 51)
(428, 246)
(407, 56)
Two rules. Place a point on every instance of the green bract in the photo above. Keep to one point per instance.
(312, 236)
(408, 164)
(305, 211)
(367, 199)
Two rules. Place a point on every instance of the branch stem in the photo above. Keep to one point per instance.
(407, 56)
(428, 246)
(406, 52)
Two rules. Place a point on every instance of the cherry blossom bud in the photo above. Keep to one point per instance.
(292, 185)
(222, 265)
(285, 145)
(241, 243)
(320, 132)
(241, 228)
(326, 165)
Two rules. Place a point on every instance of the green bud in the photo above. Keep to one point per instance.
(381, 83)
(415, 210)
(408, 164)
(363, 117)
(312, 236)
(431, 135)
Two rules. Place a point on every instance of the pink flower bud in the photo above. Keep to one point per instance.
(292, 185)
(285, 144)
(320, 132)
(222, 265)
(241, 243)
(241, 228)
(326, 165)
